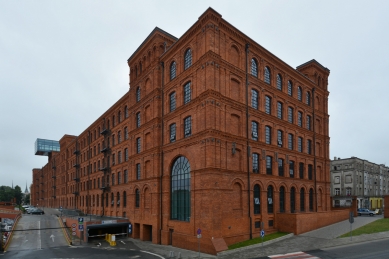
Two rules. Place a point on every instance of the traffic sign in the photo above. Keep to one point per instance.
(199, 236)
(198, 231)
(130, 228)
(74, 233)
(74, 225)
(81, 227)
(262, 233)
(80, 221)
(351, 217)
(73, 229)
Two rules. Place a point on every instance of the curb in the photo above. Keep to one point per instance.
(227, 252)
(12, 232)
(65, 232)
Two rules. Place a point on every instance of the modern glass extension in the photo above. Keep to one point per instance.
(44, 146)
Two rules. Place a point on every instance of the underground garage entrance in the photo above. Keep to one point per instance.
(98, 231)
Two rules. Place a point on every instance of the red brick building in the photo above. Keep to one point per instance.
(215, 133)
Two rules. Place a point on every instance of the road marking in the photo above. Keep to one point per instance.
(123, 242)
(295, 255)
(39, 236)
(152, 254)
(52, 237)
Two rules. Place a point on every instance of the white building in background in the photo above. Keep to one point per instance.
(358, 177)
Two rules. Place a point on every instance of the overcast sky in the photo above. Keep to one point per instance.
(63, 63)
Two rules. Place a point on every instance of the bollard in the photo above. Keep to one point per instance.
(179, 255)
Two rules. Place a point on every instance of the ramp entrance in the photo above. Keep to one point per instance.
(99, 231)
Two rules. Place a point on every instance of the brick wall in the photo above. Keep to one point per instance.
(386, 204)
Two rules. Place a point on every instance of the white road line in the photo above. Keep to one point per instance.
(152, 254)
(39, 236)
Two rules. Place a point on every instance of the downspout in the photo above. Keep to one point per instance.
(89, 182)
(247, 140)
(162, 158)
(314, 143)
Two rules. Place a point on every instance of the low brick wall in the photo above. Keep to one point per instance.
(299, 223)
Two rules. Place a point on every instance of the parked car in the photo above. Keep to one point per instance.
(37, 211)
(29, 209)
(362, 211)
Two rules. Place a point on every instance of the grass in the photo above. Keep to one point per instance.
(380, 225)
(257, 240)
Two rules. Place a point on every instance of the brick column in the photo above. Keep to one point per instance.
(354, 206)
(386, 206)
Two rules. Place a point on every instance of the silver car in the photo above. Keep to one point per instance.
(366, 212)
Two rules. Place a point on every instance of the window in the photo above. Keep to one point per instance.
(125, 177)
(311, 199)
(187, 126)
(310, 172)
(126, 112)
(180, 190)
(348, 178)
(336, 179)
(113, 120)
(337, 191)
(290, 141)
(124, 199)
(254, 67)
(257, 199)
(119, 177)
(279, 110)
(255, 163)
(113, 159)
(282, 199)
(280, 167)
(138, 94)
(268, 104)
(113, 179)
(125, 133)
(292, 199)
(119, 116)
(300, 119)
(290, 114)
(138, 171)
(138, 147)
(173, 70)
(348, 191)
(270, 199)
(302, 199)
(119, 137)
(126, 154)
(113, 140)
(308, 98)
(138, 119)
(309, 146)
(308, 122)
(254, 99)
(187, 59)
(269, 166)
(187, 93)
(301, 170)
(254, 130)
(119, 157)
(172, 101)
(267, 75)
(137, 198)
(267, 135)
(280, 138)
(172, 132)
(118, 199)
(290, 88)
(291, 168)
(299, 93)
(279, 82)
(300, 144)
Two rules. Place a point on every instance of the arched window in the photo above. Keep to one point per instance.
(254, 99)
(268, 104)
(119, 116)
(138, 94)
(302, 200)
(270, 199)
(282, 199)
(299, 93)
(308, 98)
(292, 200)
(254, 130)
(118, 199)
(137, 198)
(187, 93)
(188, 59)
(172, 98)
(180, 190)
(112, 199)
(173, 70)
(279, 82)
(124, 199)
(126, 111)
(290, 88)
(257, 199)
(254, 67)
(255, 163)
(311, 199)
(267, 75)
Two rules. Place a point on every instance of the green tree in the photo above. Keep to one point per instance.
(6, 193)
(18, 194)
(27, 199)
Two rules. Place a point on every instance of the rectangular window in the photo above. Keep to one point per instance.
(269, 166)
(299, 119)
(290, 141)
(254, 99)
(138, 172)
(187, 126)
(254, 130)
(300, 144)
(255, 163)
(187, 93)
(337, 191)
(125, 176)
(138, 120)
(308, 122)
(280, 167)
(267, 135)
(172, 101)
(280, 138)
(348, 178)
(138, 147)
(126, 154)
(113, 179)
(172, 132)
(301, 170)
(290, 114)
(310, 172)
(279, 110)
(119, 157)
(268, 104)
(119, 177)
(291, 168)
(309, 146)
(125, 133)
(113, 159)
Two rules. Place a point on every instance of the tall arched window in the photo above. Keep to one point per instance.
(173, 70)
(138, 94)
(299, 93)
(180, 190)
(279, 82)
(137, 198)
(311, 199)
(267, 75)
(187, 93)
(188, 59)
(290, 88)
(254, 67)
(257, 199)
(118, 199)
(270, 199)
(308, 96)
(124, 199)
(302, 200)
(282, 199)
(293, 200)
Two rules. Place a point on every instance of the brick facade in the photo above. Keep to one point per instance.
(219, 145)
